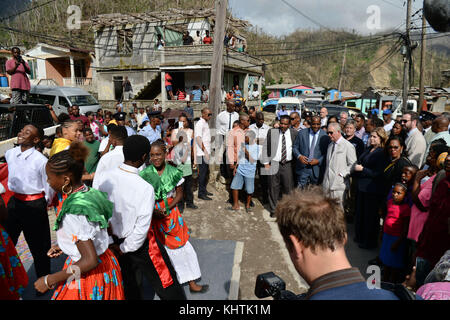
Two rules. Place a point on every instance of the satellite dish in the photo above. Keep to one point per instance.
(437, 13)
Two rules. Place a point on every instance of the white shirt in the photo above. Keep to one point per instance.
(311, 137)
(287, 136)
(388, 127)
(26, 172)
(201, 130)
(75, 228)
(255, 94)
(323, 121)
(103, 144)
(113, 159)
(261, 133)
(139, 118)
(224, 122)
(134, 200)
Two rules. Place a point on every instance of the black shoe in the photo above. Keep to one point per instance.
(204, 197)
(204, 289)
(209, 193)
(191, 206)
(272, 214)
(252, 204)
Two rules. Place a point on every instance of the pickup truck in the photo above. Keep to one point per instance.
(14, 117)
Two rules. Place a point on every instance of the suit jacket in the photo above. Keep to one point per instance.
(270, 149)
(338, 165)
(301, 147)
(371, 178)
(416, 147)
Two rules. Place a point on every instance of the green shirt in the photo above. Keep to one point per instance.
(93, 157)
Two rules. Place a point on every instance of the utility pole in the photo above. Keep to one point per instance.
(342, 69)
(407, 54)
(215, 86)
(422, 63)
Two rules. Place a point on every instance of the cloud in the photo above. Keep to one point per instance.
(277, 18)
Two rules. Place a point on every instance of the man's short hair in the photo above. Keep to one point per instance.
(87, 129)
(414, 116)
(336, 126)
(285, 117)
(259, 115)
(377, 122)
(295, 112)
(361, 116)
(350, 122)
(119, 133)
(313, 217)
(135, 147)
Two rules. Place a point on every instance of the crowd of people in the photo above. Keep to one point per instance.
(119, 187)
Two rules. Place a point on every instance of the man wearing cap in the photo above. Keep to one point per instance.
(387, 118)
(120, 119)
(152, 131)
(426, 119)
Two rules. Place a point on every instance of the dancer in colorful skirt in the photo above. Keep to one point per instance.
(168, 224)
(13, 277)
(91, 271)
(135, 244)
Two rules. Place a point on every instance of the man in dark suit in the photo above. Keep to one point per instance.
(278, 160)
(309, 150)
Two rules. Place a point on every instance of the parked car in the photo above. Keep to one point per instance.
(290, 103)
(269, 105)
(14, 117)
(63, 97)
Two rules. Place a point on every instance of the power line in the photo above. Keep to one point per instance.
(27, 10)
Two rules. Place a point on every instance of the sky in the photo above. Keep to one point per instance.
(276, 18)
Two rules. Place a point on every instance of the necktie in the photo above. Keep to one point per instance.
(332, 150)
(229, 123)
(311, 149)
(283, 149)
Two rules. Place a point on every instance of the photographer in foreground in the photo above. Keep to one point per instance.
(20, 84)
(314, 230)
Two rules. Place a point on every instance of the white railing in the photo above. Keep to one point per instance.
(79, 82)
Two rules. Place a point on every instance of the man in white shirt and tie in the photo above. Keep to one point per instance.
(134, 243)
(224, 124)
(27, 208)
(113, 158)
(277, 159)
(341, 156)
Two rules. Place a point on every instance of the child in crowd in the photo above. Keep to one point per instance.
(395, 230)
(245, 171)
(407, 178)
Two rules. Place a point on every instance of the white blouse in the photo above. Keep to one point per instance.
(75, 228)
(172, 192)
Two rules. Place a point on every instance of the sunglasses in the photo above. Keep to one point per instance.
(394, 147)
(209, 114)
(330, 132)
(404, 121)
(293, 118)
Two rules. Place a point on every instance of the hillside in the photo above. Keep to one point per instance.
(309, 57)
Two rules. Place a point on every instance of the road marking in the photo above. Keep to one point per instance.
(236, 273)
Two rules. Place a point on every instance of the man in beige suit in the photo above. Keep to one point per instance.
(416, 145)
(341, 156)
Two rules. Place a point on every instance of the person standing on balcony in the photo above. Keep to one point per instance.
(18, 68)
(127, 89)
(160, 44)
(207, 39)
(187, 39)
(197, 38)
(168, 84)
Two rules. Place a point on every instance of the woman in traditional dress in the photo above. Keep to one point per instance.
(167, 222)
(91, 271)
(13, 277)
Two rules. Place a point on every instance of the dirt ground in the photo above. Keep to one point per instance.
(264, 249)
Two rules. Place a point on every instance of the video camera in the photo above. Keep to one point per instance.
(270, 285)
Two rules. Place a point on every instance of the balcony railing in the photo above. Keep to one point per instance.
(79, 82)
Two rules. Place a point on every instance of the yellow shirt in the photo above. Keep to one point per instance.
(59, 145)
